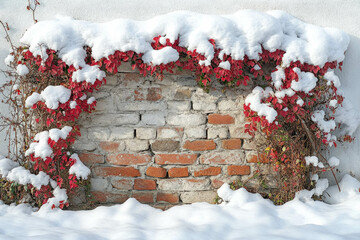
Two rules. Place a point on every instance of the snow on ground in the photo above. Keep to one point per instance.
(244, 216)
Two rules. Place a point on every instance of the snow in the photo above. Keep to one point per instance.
(321, 186)
(88, 74)
(91, 100)
(306, 82)
(242, 216)
(52, 95)
(225, 65)
(11, 171)
(242, 33)
(164, 55)
(333, 103)
(324, 125)
(277, 77)
(22, 69)
(23, 176)
(312, 160)
(41, 148)
(331, 77)
(79, 169)
(262, 109)
(9, 59)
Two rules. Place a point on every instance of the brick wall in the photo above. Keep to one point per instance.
(164, 142)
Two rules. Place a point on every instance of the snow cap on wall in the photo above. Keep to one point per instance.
(239, 34)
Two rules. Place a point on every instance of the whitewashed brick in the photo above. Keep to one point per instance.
(97, 133)
(115, 119)
(139, 106)
(153, 118)
(145, 133)
(105, 105)
(200, 196)
(84, 146)
(118, 133)
(99, 184)
(136, 145)
(238, 132)
(227, 105)
(217, 132)
(186, 119)
(166, 133)
(195, 132)
(204, 106)
(183, 184)
(179, 106)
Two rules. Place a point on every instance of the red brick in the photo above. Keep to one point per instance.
(144, 197)
(110, 146)
(158, 172)
(132, 77)
(153, 94)
(231, 144)
(138, 95)
(238, 170)
(210, 171)
(122, 184)
(144, 184)
(220, 119)
(91, 158)
(175, 158)
(255, 158)
(178, 172)
(216, 183)
(105, 197)
(200, 145)
(167, 197)
(128, 159)
(116, 171)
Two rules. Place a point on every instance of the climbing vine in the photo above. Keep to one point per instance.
(294, 114)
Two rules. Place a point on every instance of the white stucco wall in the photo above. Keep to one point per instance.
(342, 14)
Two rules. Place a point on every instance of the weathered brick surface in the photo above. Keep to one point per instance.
(107, 197)
(224, 157)
(253, 157)
(231, 144)
(238, 170)
(178, 172)
(198, 196)
(116, 171)
(165, 146)
(143, 197)
(158, 172)
(175, 158)
(167, 197)
(220, 119)
(170, 133)
(122, 184)
(128, 159)
(165, 142)
(179, 184)
(144, 184)
(91, 158)
(210, 171)
(200, 145)
(110, 146)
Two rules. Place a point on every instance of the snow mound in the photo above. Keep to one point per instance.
(239, 217)
(51, 95)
